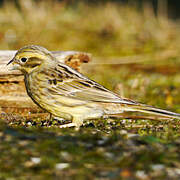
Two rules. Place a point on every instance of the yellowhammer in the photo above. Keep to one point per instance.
(66, 93)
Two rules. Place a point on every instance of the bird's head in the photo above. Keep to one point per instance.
(30, 58)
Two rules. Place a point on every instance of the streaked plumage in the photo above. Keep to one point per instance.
(66, 93)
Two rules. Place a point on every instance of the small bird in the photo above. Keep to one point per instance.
(65, 93)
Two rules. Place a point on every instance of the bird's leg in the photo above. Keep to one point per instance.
(50, 117)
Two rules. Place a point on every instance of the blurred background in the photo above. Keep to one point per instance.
(135, 47)
(103, 27)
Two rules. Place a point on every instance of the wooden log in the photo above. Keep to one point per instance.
(12, 90)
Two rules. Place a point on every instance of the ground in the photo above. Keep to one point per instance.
(136, 55)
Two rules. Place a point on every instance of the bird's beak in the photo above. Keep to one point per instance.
(14, 65)
(10, 61)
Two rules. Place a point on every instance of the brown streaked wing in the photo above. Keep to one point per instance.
(75, 85)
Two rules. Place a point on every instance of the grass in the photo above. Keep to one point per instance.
(136, 55)
(111, 30)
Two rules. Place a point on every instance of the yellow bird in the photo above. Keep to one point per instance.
(64, 92)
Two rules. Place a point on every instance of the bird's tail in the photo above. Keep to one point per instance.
(150, 110)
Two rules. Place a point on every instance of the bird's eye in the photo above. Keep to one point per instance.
(23, 59)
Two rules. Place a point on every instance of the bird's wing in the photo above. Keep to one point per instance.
(66, 81)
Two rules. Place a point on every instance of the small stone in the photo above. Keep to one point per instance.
(29, 123)
(109, 155)
(141, 175)
(177, 170)
(101, 142)
(62, 165)
(131, 135)
(35, 160)
(123, 132)
(157, 167)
